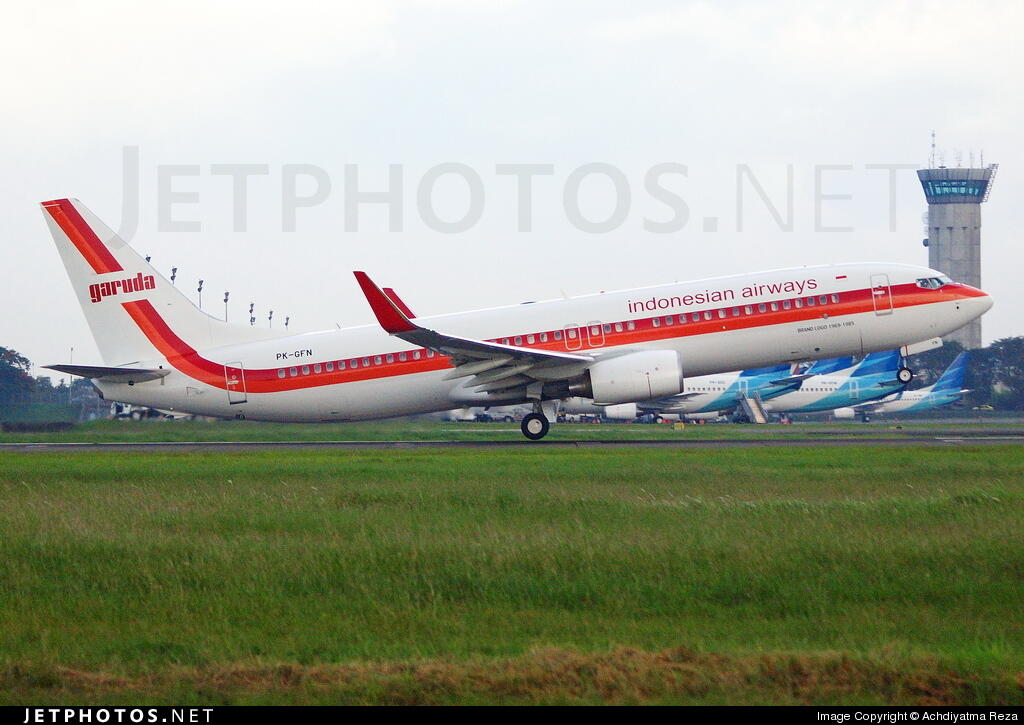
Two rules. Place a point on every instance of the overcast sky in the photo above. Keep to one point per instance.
(453, 93)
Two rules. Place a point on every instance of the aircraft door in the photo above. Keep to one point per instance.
(881, 294)
(595, 333)
(234, 378)
(572, 337)
(854, 390)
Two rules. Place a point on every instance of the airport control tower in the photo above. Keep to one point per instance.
(955, 196)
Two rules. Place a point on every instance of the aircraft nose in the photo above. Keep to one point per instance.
(978, 304)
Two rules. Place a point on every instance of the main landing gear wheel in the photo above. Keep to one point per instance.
(535, 426)
(904, 375)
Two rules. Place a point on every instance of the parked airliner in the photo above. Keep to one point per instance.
(719, 393)
(160, 350)
(946, 390)
(879, 374)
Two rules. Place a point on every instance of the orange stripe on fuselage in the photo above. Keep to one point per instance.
(188, 361)
(82, 236)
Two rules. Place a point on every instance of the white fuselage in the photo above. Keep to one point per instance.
(911, 401)
(728, 323)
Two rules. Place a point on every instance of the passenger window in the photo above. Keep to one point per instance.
(747, 309)
(656, 322)
(695, 317)
(558, 334)
(354, 364)
(775, 306)
(810, 301)
(618, 327)
(762, 307)
(530, 339)
(721, 314)
(669, 320)
(572, 334)
(519, 340)
(799, 303)
(707, 315)
(402, 357)
(317, 368)
(786, 304)
(607, 328)
(366, 362)
(305, 369)
(293, 371)
(430, 353)
(543, 337)
(735, 311)
(822, 300)
(281, 373)
(330, 367)
(415, 354)
(391, 358)
(595, 330)
(835, 298)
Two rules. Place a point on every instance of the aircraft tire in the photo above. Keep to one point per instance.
(904, 375)
(535, 426)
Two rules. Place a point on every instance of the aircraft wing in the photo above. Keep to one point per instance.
(110, 375)
(665, 405)
(791, 380)
(494, 367)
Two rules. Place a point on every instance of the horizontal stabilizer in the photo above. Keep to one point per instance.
(110, 375)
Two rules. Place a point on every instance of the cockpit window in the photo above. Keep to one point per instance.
(934, 282)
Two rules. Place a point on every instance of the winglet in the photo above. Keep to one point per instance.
(393, 296)
(389, 315)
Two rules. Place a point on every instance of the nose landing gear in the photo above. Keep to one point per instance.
(904, 375)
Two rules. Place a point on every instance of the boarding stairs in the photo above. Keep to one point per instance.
(753, 408)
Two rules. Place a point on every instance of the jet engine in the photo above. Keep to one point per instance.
(632, 377)
(622, 411)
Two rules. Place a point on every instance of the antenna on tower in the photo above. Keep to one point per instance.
(931, 160)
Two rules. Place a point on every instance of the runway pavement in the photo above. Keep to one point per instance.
(914, 440)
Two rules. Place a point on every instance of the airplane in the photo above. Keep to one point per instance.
(722, 393)
(711, 395)
(161, 351)
(879, 374)
(718, 393)
(947, 389)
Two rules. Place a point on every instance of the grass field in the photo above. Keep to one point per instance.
(793, 575)
(427, 430)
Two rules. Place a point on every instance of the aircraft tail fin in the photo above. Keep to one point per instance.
(773, 370)
(831, 365)
(128, 304)
(952, 379)
(878, 362)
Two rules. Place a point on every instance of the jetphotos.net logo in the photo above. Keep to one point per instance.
(138, 283)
